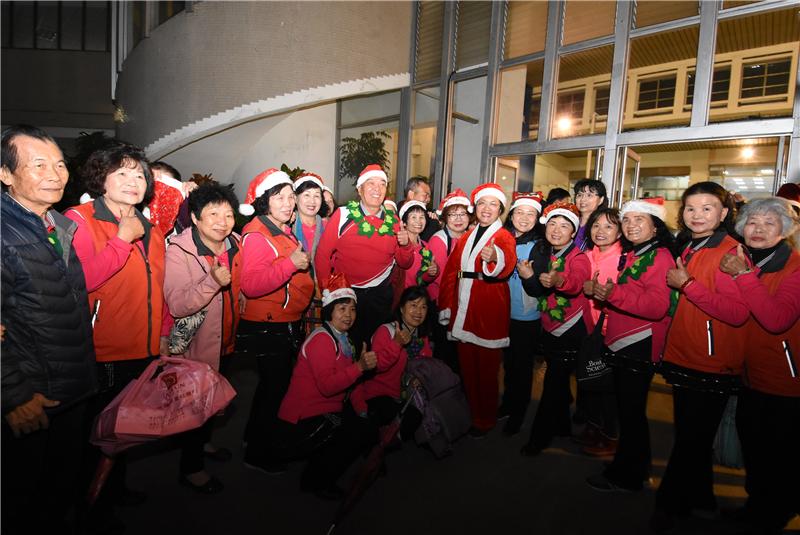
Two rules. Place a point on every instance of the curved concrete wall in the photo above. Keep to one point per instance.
(225, 55)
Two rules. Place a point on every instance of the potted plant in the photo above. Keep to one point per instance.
(357, 153)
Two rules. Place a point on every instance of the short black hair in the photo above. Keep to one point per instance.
(10, 157)
(164, 166)
(261, 205)
(612, 214)
(556, 194)
(211, 193)
(327, 310)
(415, 208)
(413, 183)
(534, 233)
(105, 161)
(595, 186)
(323, 209)
(412, 293)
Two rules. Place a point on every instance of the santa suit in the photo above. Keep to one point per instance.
(475, 303)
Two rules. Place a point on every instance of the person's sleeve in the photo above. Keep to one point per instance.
(532, 286)
(778, 312)
(725, 304)
(101, 266)
(262, 272)
(650, 299)
(330, 378)
(183, 295)
(16, 387)
(387, 350)
(325, 250)
(506, 249)
(403, 254)
(577, 271)
(358, 399)
(449, 284)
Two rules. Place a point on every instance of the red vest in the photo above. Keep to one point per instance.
(128, 323)
(288, 302)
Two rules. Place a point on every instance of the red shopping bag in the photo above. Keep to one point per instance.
(173, 395)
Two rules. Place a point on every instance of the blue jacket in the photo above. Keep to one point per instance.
(48, 344)
(523, 306)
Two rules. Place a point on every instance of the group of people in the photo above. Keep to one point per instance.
(336, 304)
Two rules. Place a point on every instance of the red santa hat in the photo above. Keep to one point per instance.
(389, 203)
(308, 177)
(652, 205)
(455, 197)
(488, 190)
(261, 183)
(534, 200)
(564, 209)
(408, 205)
(371, 171)
(338, 288)
(168, 195)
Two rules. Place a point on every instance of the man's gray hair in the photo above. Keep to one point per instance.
(413, 183)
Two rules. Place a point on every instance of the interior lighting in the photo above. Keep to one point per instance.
(748, 153)
(564, 123)
(766, 171)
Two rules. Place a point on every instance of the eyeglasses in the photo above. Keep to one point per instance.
(456, 215)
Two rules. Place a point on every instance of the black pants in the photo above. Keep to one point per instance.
(40, 475)
(274, 346)
(631, 464)
(769, 429)
(518, 366)
(444, 349)
(112, 378)
(383, 409)
(373, 309)
(688, 481)
(601, 410)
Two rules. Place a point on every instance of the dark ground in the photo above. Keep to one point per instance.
(485, 487)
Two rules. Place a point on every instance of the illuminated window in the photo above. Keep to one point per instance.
(570, 104)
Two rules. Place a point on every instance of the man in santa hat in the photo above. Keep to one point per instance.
(363, 240)
(475, 303)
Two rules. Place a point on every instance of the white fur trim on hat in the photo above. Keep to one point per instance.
(527, 201)
(86, 198)
(246, 209)
(410, 204)
(329, 297)
(272, 180)
(491, 192)
(563, 213)
(373, 173)
(171, 182)
(308, 178)
(463, 201)
(640, 205)
(391, 204)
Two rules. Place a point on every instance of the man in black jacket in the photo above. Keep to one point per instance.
(47, 357)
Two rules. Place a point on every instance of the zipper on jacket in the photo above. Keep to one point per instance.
(787, 350)
(149, 300)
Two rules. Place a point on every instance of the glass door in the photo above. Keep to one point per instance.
(627, 184)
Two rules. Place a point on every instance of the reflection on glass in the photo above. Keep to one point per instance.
(466, 123)
(519, 102)
(756, 66)
(581, 104)
(423, 133)
(584, 21)
(649, 12)
(544, 172)
(660, 71)
(526, 24)
(369, 108)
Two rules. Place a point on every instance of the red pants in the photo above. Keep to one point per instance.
(479, 368)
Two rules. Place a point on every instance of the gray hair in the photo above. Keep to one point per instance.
(774, 205)
(413, 183)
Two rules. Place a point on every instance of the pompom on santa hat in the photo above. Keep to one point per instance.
(261, 183)
(651, 205)
(308, 177)
(338, 288)
(455, 197)
(534, 200)
(488, 190)
(371, 171)
(564, 209)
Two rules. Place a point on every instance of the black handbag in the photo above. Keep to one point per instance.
(591, 369)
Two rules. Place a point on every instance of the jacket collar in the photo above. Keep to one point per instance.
(103, 213)
(782, 254)
(203, 250)
(271, 227)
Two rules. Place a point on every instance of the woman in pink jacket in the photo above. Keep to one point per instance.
(202, 274)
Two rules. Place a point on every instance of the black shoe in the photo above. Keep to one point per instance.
(212, 486)
(331, 493)
(477, 434)
(221, 455)
(512, 427)
(602, 484)
(529, 450)
(503, 412)
(271, 469)
(129, 498)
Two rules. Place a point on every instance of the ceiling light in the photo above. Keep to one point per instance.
(564, 123)
(748, 153)
(767, 171)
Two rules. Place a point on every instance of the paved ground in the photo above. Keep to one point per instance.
(485, 487)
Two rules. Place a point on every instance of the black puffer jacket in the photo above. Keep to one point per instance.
(48, 344)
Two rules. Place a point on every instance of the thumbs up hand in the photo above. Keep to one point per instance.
(220, 273)
(677, 276)
(368, 359)
(403, 238)
(525, 269)
(300, 258)
(401, 335)
(551, 279)
(489, 253)
(602, 291)
(734, 264)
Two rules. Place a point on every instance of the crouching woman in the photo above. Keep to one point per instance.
(314, 419)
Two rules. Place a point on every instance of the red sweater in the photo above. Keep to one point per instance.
(638, 307)
(577, 270)
(774, 302)
(410, 274)
(319, 379)
(712, 297)
(366, 261)
(438, 246)
(392, 359)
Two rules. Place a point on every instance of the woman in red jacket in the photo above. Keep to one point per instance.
(703, 356)
(314, 419)
(424, 268)
(768, 409)
(556, 278)
(637, 304)
(278, 287)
